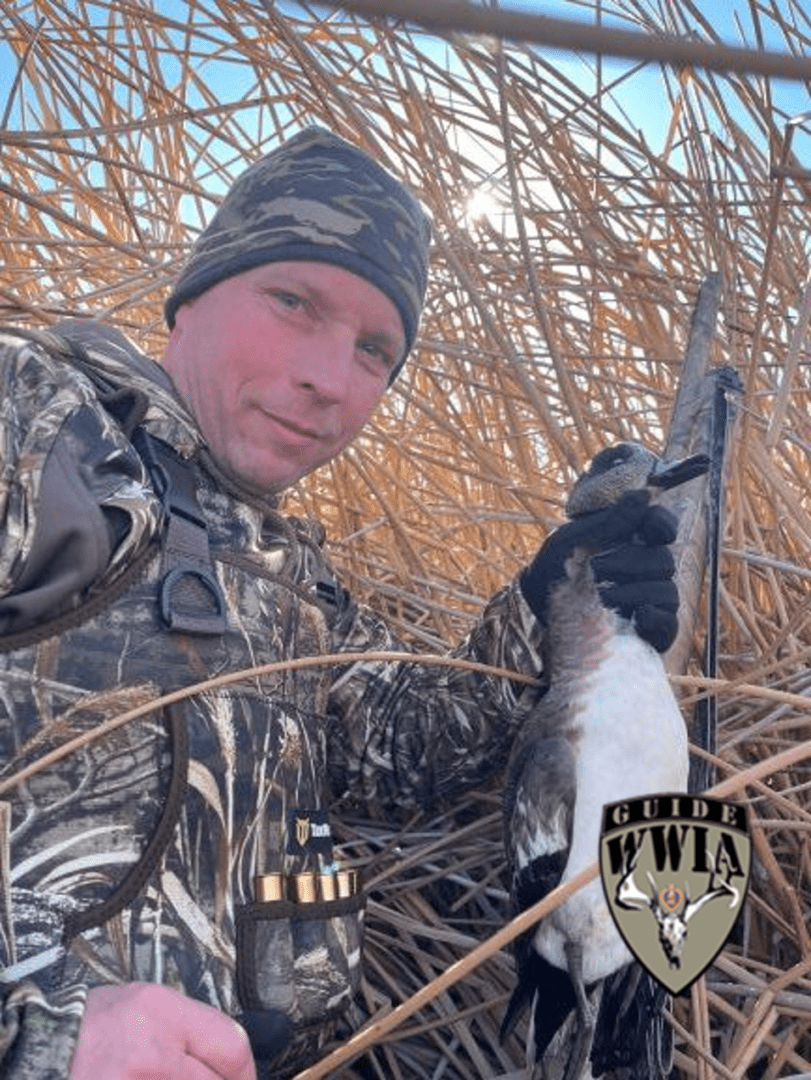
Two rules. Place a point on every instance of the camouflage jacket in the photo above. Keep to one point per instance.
(134, 857)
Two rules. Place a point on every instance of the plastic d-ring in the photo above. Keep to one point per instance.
(202, 622)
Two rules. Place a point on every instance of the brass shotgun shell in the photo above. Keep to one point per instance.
(268, 887)
(303, 888)
(327, 886)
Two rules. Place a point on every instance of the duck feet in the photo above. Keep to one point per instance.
(578, 1065)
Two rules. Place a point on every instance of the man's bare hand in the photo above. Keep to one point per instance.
(142, 1031)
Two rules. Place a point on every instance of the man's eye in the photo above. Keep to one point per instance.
(377, 352)
(288, 299)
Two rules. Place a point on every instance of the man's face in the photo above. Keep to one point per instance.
(283, 365)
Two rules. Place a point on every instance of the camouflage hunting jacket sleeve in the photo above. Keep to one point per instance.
(136, 857)
(414, 733)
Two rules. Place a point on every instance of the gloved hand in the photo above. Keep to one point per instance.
(632, 564)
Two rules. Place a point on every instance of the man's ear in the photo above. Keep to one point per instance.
(182, 314)
(175, 336)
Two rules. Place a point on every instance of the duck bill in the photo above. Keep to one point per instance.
(669, 474)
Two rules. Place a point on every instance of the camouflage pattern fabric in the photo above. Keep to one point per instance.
(133, 859)
(317, 197)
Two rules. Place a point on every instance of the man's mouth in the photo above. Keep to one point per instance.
(295, 429)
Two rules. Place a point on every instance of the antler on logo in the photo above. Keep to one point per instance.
(672, 923)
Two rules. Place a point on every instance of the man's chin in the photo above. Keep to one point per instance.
(267, 484)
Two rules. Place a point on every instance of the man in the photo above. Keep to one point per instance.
(175, 875)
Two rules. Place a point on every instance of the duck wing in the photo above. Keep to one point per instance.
(632, 1037)
(539, 808)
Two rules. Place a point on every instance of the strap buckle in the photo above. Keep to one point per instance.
(190, 599)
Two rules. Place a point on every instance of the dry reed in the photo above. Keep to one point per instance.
(556, 322)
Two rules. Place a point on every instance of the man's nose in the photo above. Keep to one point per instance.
(324, 367)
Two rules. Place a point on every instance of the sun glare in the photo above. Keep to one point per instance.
(484, 204)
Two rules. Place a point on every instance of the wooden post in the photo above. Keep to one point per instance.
(702, 423)
(690, 433)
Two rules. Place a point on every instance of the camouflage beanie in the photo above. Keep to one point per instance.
(321, 199)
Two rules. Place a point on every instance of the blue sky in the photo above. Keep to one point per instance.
(726, 18)
(730, 20)
(639, 98)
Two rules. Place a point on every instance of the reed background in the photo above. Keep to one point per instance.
(571, 239)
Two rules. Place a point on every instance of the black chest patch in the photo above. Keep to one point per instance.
(308, 831)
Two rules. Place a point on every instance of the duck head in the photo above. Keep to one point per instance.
(628, 467)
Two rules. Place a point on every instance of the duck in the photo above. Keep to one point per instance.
(607, 728)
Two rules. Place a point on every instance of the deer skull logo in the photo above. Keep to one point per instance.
(675, 870)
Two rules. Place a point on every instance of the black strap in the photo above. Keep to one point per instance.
(133, 882)
(190, 599)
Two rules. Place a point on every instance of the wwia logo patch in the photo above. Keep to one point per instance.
(675, 869)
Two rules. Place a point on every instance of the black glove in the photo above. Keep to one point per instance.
(632, 565)
(636, 579)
